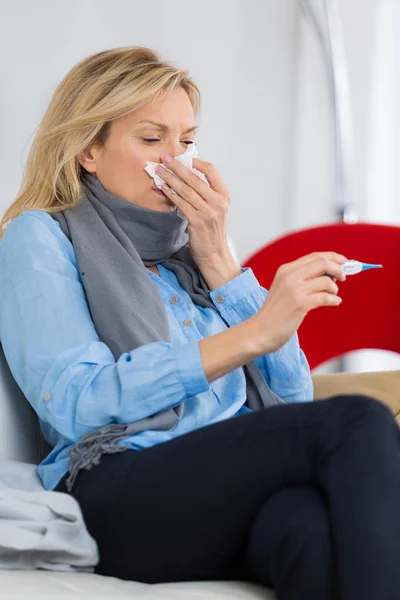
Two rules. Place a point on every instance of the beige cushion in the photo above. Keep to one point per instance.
(384, 386)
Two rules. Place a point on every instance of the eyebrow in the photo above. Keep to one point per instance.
(165, 127)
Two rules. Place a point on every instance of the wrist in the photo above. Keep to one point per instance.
(219, 271)
(262, 341)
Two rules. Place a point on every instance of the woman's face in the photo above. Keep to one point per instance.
(164, 126)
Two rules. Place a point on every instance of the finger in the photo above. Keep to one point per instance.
(212, 174)
(191, 179)
(323, 299)
(180, 202)
(309, 258)
(335, 278)
(339, 258)
(322, 284)
(304, 262)
(323, 266)
(181, 188)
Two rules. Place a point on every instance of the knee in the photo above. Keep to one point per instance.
(357, 408)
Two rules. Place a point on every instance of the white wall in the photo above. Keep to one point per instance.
(240, 52)
(383, 181)
(312, 199)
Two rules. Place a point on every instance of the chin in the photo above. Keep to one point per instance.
(163, 208)
(159, 202)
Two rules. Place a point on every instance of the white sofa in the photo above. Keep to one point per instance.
(20, 439)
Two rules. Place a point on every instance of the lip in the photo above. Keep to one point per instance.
(159, 192)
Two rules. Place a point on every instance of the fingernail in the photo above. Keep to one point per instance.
(167, 159)
(160, 169)
(168, 189)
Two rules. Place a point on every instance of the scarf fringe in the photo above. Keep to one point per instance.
(88, 451)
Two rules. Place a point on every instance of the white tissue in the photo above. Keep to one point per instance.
(186, 159)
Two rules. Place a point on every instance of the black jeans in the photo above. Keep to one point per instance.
(304, 498)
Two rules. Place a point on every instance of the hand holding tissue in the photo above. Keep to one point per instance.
(200, 196)
(186, 159)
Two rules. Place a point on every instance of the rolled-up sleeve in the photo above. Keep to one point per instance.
(286, 371)
(240, 298)
(68, 375)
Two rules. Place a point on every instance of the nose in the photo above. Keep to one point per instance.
(174, 148)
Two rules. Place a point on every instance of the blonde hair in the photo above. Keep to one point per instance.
(97, 90)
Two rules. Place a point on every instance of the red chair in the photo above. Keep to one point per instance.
(369, 316)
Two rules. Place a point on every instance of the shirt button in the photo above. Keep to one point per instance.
(47, 397)
(173, 299)
(219, 299)
(187, 322)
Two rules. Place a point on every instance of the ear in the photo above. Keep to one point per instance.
(87, 158)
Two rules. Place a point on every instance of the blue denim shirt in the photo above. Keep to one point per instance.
(71, 378)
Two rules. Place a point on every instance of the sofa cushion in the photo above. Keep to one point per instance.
(20, 437)
(38, 585)
(383, 385)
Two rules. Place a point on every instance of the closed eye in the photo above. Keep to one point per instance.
(153, 141)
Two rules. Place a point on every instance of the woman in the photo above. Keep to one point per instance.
(189, 366)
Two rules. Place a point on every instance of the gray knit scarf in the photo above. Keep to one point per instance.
(113, 240)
